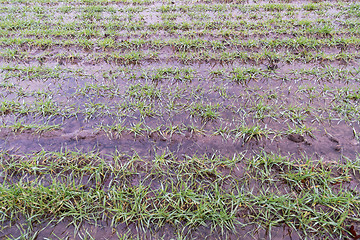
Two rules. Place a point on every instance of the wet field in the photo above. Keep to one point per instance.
(144, 119)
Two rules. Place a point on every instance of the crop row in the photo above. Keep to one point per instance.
(146, 101)
(205, 190)
(182, 7)
(187, 43)
(137, 57)
(321, 27)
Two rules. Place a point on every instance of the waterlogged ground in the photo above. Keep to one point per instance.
(145, 119)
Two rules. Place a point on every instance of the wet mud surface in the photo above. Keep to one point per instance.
(321, 145)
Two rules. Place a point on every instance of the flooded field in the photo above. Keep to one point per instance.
(146, 119)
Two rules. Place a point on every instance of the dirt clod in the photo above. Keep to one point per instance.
(296, 138)
(353, 233)
(80, 134)
(333, 140)
(157, 136)
(337, 148)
